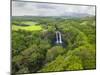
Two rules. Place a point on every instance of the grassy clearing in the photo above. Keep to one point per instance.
(29, 28)
(28, 22)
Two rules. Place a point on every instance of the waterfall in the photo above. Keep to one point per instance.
(58, 37)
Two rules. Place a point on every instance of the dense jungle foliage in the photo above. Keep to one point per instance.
(34, 48)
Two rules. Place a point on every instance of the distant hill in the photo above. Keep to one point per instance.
(66, 15)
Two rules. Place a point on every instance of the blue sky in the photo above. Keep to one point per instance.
(48, 9)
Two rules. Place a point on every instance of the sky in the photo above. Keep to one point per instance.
(48, 9)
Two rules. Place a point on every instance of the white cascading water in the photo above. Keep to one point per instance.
(58, 38)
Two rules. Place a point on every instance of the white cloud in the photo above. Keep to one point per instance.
(47, 9)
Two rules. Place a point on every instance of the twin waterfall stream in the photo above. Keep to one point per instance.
(58, 38)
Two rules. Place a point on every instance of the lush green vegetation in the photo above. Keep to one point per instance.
(34, 48)
(27, 28)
